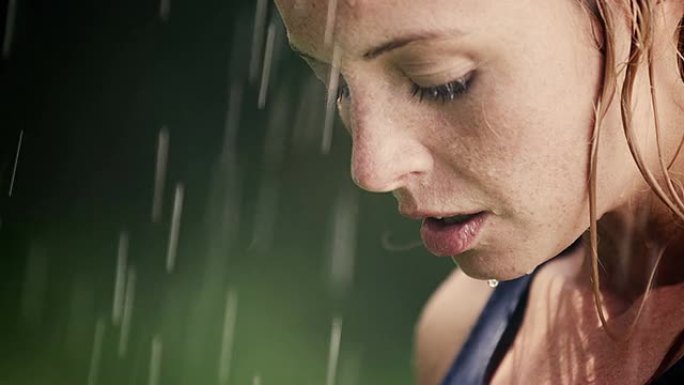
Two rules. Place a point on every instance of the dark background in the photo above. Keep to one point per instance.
(89, 84)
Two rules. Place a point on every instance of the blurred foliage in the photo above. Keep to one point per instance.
(90, 84)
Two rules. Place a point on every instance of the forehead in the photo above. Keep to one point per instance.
(360, 23)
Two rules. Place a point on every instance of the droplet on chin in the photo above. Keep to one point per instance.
(492, 283)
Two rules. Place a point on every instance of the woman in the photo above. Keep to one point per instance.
(533, 139)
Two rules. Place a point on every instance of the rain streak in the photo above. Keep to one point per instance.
(178, 209)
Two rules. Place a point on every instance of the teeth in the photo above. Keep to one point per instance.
(454, 219)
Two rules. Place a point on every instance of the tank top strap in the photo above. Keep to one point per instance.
(495, 331)
(492, 334)
(675, 373)
(673, 376)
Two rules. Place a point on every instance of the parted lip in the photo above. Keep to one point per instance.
(444, 238)
(423, 214)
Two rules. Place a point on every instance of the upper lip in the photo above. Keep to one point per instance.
(422, 214)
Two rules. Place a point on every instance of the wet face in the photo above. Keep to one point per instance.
(468, 106)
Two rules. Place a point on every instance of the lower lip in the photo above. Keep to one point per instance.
(450, 240)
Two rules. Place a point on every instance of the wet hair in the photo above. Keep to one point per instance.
(639, 16)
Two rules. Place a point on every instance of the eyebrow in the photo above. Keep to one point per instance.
(387, 46)
(397, 43)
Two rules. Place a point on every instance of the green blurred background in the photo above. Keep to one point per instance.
(278, 254)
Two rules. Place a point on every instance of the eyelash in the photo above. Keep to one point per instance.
(442, 93)
(342, 90)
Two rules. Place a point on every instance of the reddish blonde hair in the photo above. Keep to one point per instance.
(639, 15)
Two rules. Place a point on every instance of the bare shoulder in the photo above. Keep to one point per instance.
(444, 325)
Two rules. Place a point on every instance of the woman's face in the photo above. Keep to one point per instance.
(467, 106)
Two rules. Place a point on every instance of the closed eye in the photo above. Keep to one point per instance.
(443, 93)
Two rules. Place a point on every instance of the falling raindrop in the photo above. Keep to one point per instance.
(275, 143)
(232, 121)
(223, 204)
(120, 278)
(127, 316)
(331, 100)
(175, 228)
(269, 194)
(266, 68)
(330, 22)
(96, 353)
(265, 216)
(334, 351)
(155, 361)
(16, 162)
(343, 242)
(229, 319)
(306, 127)
(256, 380)
(9, 28)
(492, 283)
(257, 38)
(160, 173)
(164, 10)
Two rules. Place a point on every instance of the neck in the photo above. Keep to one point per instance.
(641, 242)
(638, 247)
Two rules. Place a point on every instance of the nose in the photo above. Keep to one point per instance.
(387, 152)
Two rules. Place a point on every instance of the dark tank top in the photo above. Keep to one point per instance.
(495, 331)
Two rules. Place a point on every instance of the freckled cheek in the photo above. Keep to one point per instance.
(516, 152)
(545, 172)
(481, 133)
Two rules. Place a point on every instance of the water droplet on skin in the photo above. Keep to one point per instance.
(492, 283)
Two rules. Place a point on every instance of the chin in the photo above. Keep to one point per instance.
(484, 266)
